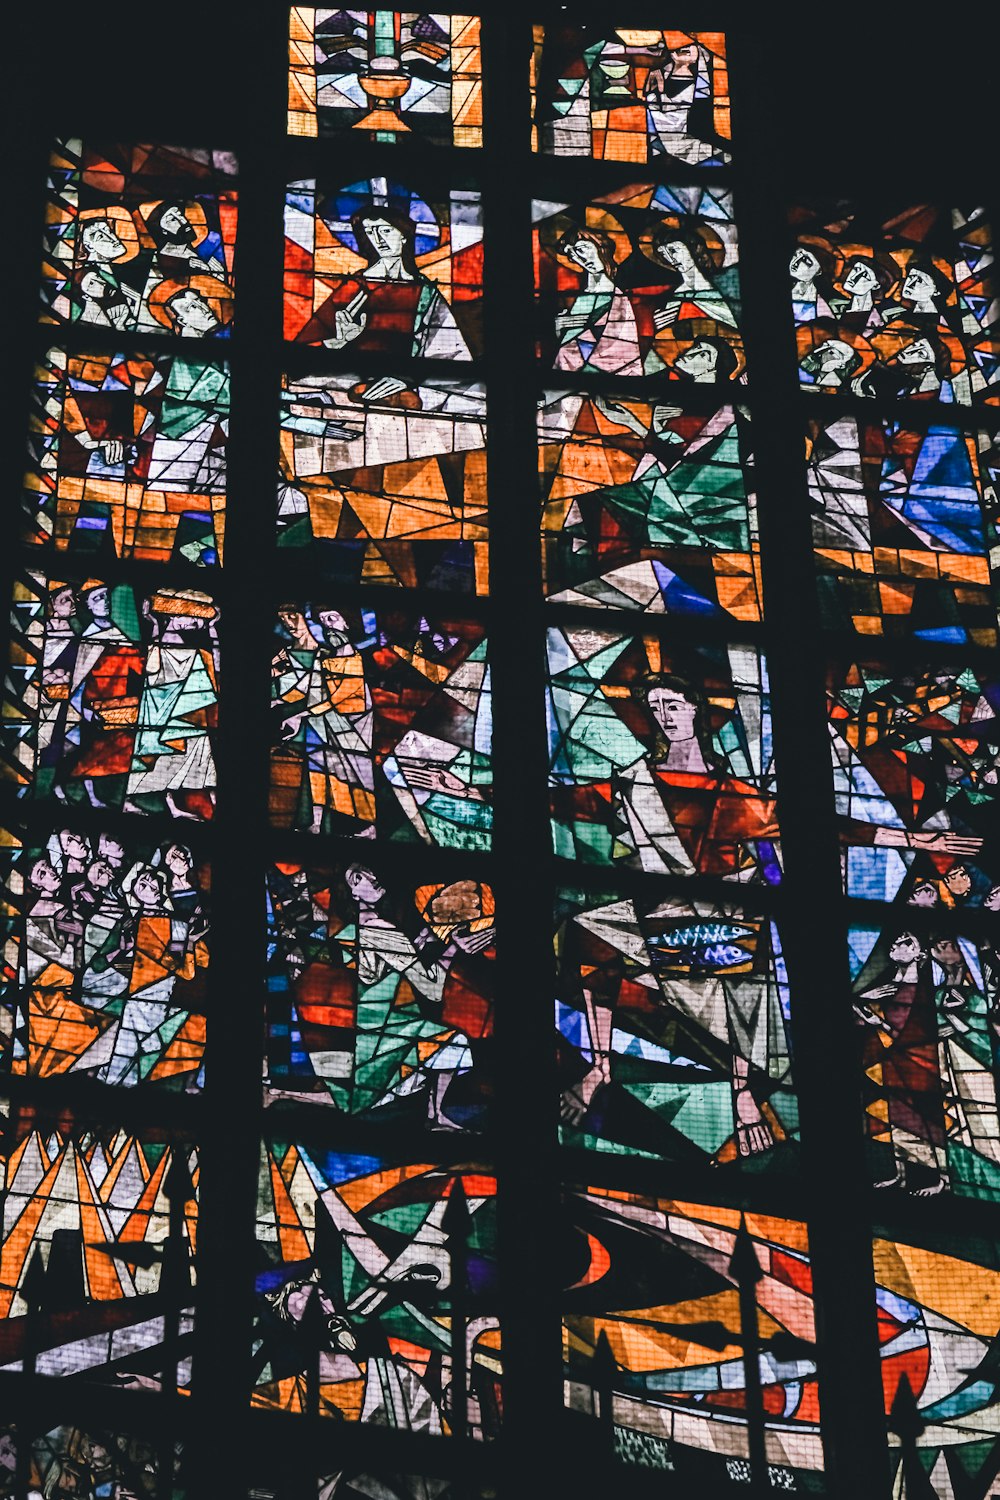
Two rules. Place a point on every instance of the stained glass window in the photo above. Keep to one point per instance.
(904, 524)
(630, 95)
(499, 885)
(667, 1305)
(140, 238)
(93, 1458)
(112, 697)
(648, 506)
(915, 775)
(661, 760)
(382, 726)
(367, 1249)
(377, 267)
(642, 281)
(925, 1002)
(384, 480)
(380, 1003)
(937, 1324)
(128, 456)
(673, 1022)
(97, 1251)
(387, 74)
(106, 959)
(900, 306)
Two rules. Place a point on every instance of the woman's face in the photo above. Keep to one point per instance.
(146, 888)
(803, 265)
(860, 278)
(677, 254)
(177, 860)
(384, 236)
(673, 713)
(365, 886)
(917, 353)
(585, 254)
(63, 604)
(834, 354)
(918, 286)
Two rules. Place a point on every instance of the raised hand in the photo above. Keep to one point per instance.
(349, 322)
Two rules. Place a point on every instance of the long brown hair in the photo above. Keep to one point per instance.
(604, 243)
(702, 723)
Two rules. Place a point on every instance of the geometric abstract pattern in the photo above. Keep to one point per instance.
(97, 1252)
(367, 1310)
(648, 506)
(904, 529)
(383, 481)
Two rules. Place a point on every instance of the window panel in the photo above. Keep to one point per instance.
(111, 698)
(641, 281)
(648, 505)
(377, 267)
(363, 1250)
(128, 456)
(925, 1002)
(937, 1318)
(655, 1337)
(661, 755)
(97, 1254)
(904, 527)
(898, 307)
(390, 75)
(380, 996)
(630, 95)
(395, 1487)
(140, 239)
(673, 1024)
(99, 1459)
(384, 480)
(382, 726)
(914, 757)
(105, 959)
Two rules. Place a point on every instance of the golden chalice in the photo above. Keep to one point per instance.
(614, 70)
(385, 84)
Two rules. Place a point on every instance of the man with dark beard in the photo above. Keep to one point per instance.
(175, 239)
